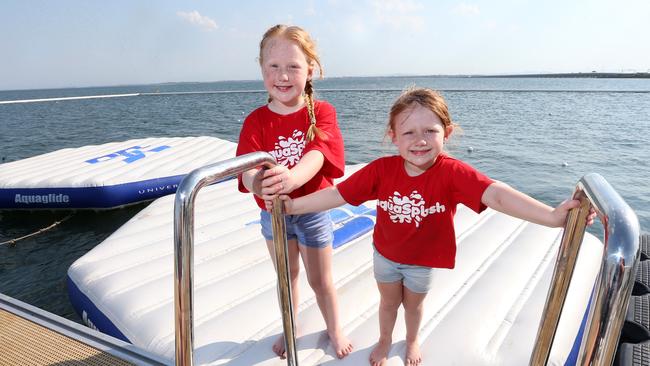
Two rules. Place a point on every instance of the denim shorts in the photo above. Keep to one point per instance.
(314, 230)
(416, 278)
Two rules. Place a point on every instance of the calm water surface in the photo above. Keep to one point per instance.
(538, 135)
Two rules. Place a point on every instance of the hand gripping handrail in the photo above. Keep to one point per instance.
(615, 280)
(184, 252)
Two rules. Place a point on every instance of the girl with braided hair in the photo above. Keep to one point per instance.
(303, 135)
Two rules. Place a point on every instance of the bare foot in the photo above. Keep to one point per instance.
(380, 352)
(341, 345)
(279, 347)
(413, 355)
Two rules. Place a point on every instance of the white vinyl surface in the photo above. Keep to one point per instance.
(108, 175)
(116, 162)
(486, 311)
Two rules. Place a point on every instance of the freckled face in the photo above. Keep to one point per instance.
(285, 71)
(419, 136)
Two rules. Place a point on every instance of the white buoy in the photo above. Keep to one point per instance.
(565, 164)
(470, 149)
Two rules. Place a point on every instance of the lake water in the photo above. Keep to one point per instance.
(539, 135)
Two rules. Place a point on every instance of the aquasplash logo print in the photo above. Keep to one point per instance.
(287, 150)
(409, 209)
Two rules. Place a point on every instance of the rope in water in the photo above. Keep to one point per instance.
(12, 242)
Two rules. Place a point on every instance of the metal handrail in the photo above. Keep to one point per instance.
(184, 252)
(615, 279)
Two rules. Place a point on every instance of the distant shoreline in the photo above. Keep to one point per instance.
(576, 75)
(593, 74)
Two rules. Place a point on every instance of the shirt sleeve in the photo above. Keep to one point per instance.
(360, 186)
(469, 185)
(331, 143)
(250, 140)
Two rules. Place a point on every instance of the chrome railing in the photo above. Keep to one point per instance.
(184, 252)
(615, 280)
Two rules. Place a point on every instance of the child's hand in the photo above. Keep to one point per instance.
(256, 188)
(268, 204)
(277, 180)
(286, 200)
(264, 188)
(561, 212)
(591, 217)
(288, 204)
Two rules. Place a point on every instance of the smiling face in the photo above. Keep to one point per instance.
(285, 70)
(419, 135)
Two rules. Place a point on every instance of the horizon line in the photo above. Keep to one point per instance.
(590, 74)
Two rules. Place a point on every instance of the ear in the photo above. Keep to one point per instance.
(448, 131)
(310, 72)
(393, 137)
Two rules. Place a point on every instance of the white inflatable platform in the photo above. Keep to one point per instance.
(108, 175)
(484, 312)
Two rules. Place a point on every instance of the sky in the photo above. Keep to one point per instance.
(78, 43)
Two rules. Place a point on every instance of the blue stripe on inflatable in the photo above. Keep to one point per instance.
(88, 197)
(346, 211)
(352, 229)
(337, 215)
(90, 314)
(357, 210)
(572, 358)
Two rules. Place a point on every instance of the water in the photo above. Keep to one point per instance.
(521, 131)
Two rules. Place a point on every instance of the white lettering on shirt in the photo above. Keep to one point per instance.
(287, 151)
(409, 209)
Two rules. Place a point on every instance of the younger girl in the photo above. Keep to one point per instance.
(304, 137)
(417, 192)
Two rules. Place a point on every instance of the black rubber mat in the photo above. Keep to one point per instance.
(630, 354)
(636, 327)
(642, 280)
(645, 247)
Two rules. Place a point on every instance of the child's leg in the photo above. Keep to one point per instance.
(413, 317)
(318, 265)
(294, 270)
(390, 300)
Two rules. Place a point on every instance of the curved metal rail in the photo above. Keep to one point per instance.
(614, 282)
(184, 252)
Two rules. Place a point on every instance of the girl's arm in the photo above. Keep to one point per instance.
(318, 201)
(281, 180)
(508, 200)
(252, 180)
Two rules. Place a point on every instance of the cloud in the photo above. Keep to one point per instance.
(466, 9)
(399, 13)
(357, 27)
(310, 9)
(194, 17)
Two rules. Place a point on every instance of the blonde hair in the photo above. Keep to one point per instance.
(308, 47)
(426, 98)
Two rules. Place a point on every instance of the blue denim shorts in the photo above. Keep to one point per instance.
(314, 230)
(415, 278)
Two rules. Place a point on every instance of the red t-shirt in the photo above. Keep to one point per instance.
(285, 137)
(415, 214)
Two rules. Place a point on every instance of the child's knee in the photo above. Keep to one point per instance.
(319, 284)
(294, 272)
(414, 303)
(412, 307)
